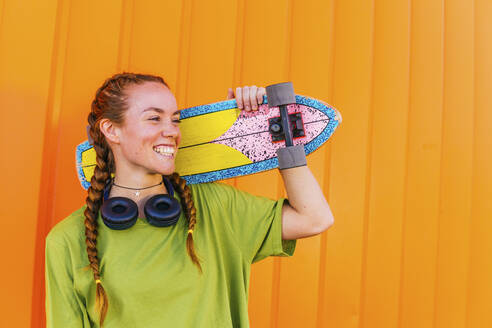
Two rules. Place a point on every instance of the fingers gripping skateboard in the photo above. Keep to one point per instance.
(281, 95)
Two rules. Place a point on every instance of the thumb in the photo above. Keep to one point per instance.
(230, 94)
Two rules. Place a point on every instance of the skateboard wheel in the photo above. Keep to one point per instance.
(280, 94)
(289, 157)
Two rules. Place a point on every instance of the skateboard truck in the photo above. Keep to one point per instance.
(280, 95)
(296, 126)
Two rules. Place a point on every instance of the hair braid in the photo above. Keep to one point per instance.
(190, 212)
(94, 200)
(110, 102)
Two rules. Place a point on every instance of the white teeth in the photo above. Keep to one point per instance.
(165, 150)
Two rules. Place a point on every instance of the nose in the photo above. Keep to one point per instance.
(170, 129)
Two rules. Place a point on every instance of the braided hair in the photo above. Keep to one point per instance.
(110, 103)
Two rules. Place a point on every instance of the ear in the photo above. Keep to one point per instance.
(109, 130)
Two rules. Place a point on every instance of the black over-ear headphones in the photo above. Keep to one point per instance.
(119, 213)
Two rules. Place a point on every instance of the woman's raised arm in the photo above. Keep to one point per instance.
(307, 213)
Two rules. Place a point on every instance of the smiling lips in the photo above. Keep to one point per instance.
(165, 150)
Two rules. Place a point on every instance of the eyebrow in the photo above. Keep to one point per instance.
(160, 110)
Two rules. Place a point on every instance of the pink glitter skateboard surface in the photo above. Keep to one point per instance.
(250, 135)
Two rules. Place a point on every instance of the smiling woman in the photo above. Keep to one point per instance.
(140, 268)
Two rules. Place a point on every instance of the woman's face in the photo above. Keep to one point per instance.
(149, 136)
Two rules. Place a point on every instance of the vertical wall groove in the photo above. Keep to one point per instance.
(290, 44)
(325, 184)
(456, 164)
(238, 52)
(405, 179)
(125, 37)
(51, 147)
(439, 221)
(370, 134)
(439, 218)
(275, 293)
(183, 57)
(479, 288)
(473, 156)
(188, 56)
(2, 14)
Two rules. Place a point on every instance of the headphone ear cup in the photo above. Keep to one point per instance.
(119, 213)
(162, 210)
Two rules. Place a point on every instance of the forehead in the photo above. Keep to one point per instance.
(150, 95)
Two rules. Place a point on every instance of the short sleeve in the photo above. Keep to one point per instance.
(63, 308)
(256, 223)
(270, 227)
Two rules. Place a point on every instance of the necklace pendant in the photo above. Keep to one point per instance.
(137, 193)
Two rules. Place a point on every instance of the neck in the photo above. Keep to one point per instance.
(138, 196)
(137, 180)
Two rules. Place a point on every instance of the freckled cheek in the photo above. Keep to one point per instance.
(142, 145)
(137, 152)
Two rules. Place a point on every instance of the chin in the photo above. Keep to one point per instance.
(163, 167)
(168, 170)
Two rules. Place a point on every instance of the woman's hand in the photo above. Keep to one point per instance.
(247, 97)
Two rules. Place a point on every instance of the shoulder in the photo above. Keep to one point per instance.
(219, 192)
(215, 189)
(225, 194)
(69, 229)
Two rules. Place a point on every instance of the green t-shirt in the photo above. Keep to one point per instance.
(148, 276)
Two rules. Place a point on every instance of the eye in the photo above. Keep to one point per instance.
(155, 118)
(176, 120)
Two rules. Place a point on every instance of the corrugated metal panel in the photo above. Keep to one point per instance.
(407, 174)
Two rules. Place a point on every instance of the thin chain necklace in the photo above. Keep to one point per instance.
(137, 192)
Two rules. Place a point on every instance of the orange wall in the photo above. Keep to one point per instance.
(407, 174)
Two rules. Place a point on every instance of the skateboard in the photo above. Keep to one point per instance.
(220, 141)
